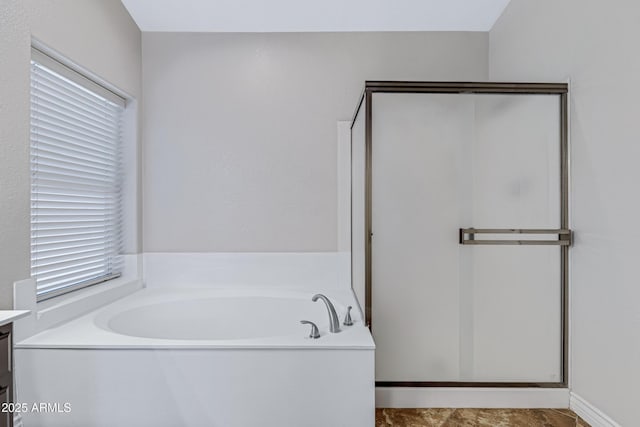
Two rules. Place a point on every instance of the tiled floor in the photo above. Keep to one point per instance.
(445, 417)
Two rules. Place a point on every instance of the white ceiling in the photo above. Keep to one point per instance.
(314, 15)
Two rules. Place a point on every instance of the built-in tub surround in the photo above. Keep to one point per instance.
(201, 318)
(200, 355)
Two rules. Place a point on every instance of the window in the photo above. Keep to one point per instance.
(76, 131)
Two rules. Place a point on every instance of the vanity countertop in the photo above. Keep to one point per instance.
(8, 316)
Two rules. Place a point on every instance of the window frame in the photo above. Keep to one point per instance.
(79, 77)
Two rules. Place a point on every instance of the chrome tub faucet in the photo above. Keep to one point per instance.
(334, 323)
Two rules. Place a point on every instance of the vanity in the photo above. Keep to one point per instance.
(7, 317)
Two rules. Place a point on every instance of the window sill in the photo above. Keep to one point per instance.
(63, 308)
(86, 299)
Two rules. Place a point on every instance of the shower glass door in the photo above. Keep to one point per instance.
(445, 312)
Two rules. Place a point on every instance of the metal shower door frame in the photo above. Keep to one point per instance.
(558, 89)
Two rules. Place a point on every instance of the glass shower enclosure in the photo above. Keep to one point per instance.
(460, 231)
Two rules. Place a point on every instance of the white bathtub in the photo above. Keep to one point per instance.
(202, 357)
(214, 318)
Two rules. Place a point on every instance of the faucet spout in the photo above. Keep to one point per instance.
(334, 323)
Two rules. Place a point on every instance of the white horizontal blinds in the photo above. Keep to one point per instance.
(76, 137)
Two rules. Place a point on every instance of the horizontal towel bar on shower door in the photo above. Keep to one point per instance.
(467, 236)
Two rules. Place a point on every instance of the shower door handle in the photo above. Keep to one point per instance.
(467, 236)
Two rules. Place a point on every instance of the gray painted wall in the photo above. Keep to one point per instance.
(96, 34)
(594, 44)
(240, 129)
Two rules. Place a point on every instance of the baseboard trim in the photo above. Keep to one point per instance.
(590, 413)
(464, 397)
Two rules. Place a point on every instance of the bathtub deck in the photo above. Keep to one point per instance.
(90, 331)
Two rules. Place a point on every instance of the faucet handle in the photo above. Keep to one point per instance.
(347, 317)
(315, 334)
